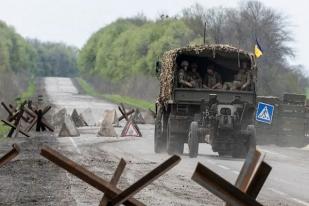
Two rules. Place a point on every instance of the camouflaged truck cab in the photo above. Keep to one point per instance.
(223, 118)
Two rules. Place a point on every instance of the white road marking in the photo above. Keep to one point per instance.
(278, 191)
(235, 172)
(274, 153)
(223, 167)
(211, 162)
(75, 145)
(286, 196)
(281, 180)
(299, 201)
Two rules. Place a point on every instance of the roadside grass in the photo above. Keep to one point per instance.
(4, 130)
(307, 93)
(115, 98)
(27, 94)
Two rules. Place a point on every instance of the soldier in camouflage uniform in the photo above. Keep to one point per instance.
(183, 75)
(242, 80)
(212, 79)
(195, 77)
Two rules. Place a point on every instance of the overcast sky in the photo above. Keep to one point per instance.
(73, 21)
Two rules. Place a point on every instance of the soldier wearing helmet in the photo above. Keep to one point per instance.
(242, 80)
(183, 75)
(195, 77)
(212, 79)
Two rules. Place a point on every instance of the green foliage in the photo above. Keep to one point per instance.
(4, 130)
(28, 93)
(130, 101)
(15, 53)
(116, 98)
(88, 89)
(34, 57)
(128, 47)
(307, 93)
(124, 48)
(54, 59)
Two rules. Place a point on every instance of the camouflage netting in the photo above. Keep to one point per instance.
(211, 51)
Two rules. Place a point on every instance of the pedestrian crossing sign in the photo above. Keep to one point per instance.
(264, 113)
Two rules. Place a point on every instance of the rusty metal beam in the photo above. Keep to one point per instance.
(46, 109)
(146, 180)
(10, 155)
(10, 111)
(110, 190)
(114, 181)
(123, 112)
(127, 114)
(247, 172)
(47, 125)
(15, 115)
(258, 180)
(30, 112)
(31, 124)
(222, 188)
(17, 130)
(14, 128)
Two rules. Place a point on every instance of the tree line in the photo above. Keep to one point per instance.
(15, 53)
(54, 59)
(33, 57)
(130, 46)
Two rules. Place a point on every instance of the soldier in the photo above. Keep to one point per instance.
(183, 76)
(195, 77)
(242, 79)
(213, 79)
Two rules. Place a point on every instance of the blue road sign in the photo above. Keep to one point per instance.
(264, 113)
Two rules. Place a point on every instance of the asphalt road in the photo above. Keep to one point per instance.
(288, 183)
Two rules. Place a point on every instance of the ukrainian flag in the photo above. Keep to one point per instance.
(257, 49)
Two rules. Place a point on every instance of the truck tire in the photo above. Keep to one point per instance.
(241, 149)
(175, 143)
(160, 137)
(193, 140)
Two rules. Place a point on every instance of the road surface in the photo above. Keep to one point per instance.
(288, 183)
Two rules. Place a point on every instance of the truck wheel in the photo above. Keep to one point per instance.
(175, 143)
(160, 138)
(193, 140)
(241, 149)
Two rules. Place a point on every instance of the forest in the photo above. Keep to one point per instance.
(129, 47)
(21, 60)
(120, 57)
(54, 59)
(33, 57)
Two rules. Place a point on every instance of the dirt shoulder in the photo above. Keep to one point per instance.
(32, 180)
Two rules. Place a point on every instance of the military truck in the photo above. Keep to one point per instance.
(289, 126)
(222, 118)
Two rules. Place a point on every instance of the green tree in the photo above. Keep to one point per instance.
(129, 47)
(15, 53)
(54, 59)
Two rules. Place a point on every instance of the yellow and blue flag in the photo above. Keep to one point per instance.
(257, 49)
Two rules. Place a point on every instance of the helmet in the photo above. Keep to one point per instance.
(184, 63)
